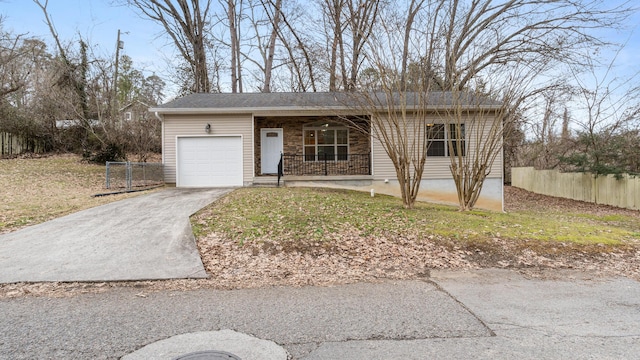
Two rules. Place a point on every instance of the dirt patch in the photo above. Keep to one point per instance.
(517, 199)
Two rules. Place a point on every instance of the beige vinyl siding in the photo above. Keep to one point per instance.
(435, 167)
(382, 166)
(496, 168)
(190, 125)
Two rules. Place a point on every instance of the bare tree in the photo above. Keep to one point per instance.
(362, 17)
(610, 103)
(12, 52)
(475, 126)
(21, 59)
(399, 119)
(415, 6)
(251, 33)
(349, 24)
(186, 22)
(490, 57)
(606, 131)
(261, 41)
(599, 134)
(298, 49)
(399, 122)
(73, 74)
(503, 50)
(332, 11)
(483, 36)
(274, 11)
(548, 132)
(233, 17)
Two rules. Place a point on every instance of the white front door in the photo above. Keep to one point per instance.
(271, 146)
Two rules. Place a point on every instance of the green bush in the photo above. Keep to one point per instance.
(110, 152)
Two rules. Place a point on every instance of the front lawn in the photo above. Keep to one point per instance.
(36, 190)
(300, 236)
(311, 215)
(258, 237)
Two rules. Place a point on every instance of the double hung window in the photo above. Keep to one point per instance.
(440, 135)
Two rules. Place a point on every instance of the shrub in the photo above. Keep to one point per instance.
(110, 152)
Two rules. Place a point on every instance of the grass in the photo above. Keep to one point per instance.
(36, 190)
(302, 214)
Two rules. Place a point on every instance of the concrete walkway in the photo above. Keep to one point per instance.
(142, 238)
(488, 314)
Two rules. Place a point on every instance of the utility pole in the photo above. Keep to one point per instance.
(114, 110)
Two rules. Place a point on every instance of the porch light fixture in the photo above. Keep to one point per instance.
(207, 129)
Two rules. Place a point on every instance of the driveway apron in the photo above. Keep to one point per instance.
(142, 238)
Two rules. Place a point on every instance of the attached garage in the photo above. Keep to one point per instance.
(209, 161)
(216, 140)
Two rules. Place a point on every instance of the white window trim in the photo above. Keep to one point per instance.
(447, 130)
(335, 145)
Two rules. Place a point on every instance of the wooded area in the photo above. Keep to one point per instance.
(529, 58)
(67, 98)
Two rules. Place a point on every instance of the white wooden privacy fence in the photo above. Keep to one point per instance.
(624, 192)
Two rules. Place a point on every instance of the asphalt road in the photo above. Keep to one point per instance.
(491, 314)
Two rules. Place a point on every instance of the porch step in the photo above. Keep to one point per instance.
(267, 181)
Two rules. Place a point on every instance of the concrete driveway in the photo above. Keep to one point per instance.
(142, 238)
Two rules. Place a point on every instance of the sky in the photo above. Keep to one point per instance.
(99, 21)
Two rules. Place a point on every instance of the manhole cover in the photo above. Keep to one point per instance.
(208, 355)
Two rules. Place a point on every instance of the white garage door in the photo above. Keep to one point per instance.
(209, 161)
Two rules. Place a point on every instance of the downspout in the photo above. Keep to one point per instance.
(161, 118)
(371, 147)
(502, 177)
(503, 162)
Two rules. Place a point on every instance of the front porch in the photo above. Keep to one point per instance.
(326, 165)
(311, 146)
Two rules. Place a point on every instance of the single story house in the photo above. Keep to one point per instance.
(133, 111)
(227, 140)
(69, 123)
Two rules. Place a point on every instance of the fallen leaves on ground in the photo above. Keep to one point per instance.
(355, 256)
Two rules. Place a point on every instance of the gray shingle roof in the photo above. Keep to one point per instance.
(251, 100)
(307, 100)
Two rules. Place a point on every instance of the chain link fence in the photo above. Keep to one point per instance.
(131, 176)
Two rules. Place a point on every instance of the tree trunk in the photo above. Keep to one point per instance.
(268, 66)
(333, 11)
(231, 15)
(185, 25)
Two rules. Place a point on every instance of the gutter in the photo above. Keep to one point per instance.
(313, 109)
(246, 110)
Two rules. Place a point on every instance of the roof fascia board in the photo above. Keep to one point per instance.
(246, 110)
(261, 111)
